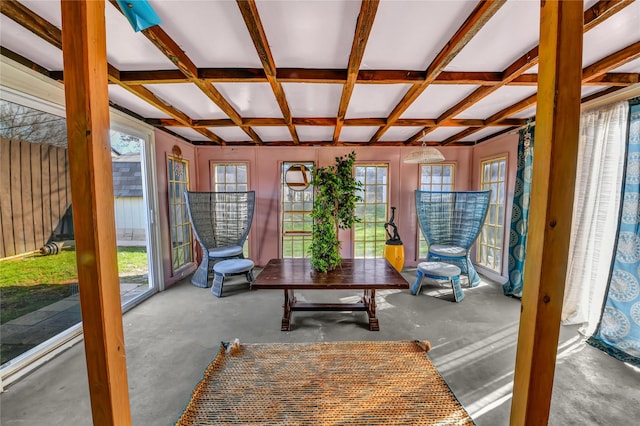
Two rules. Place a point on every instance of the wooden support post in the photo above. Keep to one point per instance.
(85, 83)
(556, 151)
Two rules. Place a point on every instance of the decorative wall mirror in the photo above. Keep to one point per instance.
(298, 177)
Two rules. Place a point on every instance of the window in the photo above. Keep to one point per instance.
(489, 252)
(434, 177)
(369, 236)
(231, 177)
(296, 215)
(181, 247)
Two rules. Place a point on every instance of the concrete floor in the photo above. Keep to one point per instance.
(28, 331)
(173, 336)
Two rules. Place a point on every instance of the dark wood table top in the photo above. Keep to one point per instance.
(351, 274)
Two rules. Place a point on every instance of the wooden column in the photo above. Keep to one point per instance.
(554, 171)
(85, 82)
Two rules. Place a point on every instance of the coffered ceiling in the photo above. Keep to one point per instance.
(339, 72)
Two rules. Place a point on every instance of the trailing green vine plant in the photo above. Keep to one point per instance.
(333, 209)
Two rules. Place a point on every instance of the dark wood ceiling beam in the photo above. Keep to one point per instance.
(618, 79)
(165, 44)
(612, 61)
(180, 117)
(368, 10)
(177, 56)
(602, 11)
(331, 121)
(601, 93)
(592, 16)
(55, 75)
(325, 76)
(333, 76)
(249, 12)
(52, 34)
(595, 70)
(304, 75)
(153, 77)
(233, 75)
(476, 20)
(500, 115)
(32, 22)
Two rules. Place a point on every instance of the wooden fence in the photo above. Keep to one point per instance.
(34, 195)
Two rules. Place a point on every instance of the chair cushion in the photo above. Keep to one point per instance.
(225, 251)
(450, 251)
(233, 266)
(438, 269)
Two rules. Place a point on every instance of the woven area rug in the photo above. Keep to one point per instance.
(337, 383)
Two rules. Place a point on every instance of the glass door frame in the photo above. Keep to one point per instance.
(26, 87)
(124, 124)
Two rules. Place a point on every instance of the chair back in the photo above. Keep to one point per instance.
(452, 218)
(220, 219)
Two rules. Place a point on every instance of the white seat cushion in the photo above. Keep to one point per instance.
(438, 269)
(451, 251)
(233, 266)
(225, 251)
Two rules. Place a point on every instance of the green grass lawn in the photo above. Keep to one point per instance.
(30, 283)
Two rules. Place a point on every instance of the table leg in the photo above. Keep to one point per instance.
(369, 300)
(289, 300)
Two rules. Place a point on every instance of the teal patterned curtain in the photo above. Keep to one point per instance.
(618, 332)
(520, 214)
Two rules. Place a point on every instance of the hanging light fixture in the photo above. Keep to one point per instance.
(426, 154)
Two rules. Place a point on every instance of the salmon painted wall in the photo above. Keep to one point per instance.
(501, 146)
(164, 143)
(264, 165)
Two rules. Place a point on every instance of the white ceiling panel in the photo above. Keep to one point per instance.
(128, 50)
(315, 133)
(512, 31)
(188, 99)
(313, 100)
(188, 133)
(436, 99)
(497, 101)
(357, 133)
(374, 100)
(131, 102)
(316, 34)
(23, 42)
(616, 33)
(49, 10)
(212, 33)
(412, 32)
(442, 133)
(532, 70)
(400, 133)
(589, 90)
(525, 113)
(231, 134)
(487, 131)
(589, 3)
(251, 99)
(633, 66)
(273, 133)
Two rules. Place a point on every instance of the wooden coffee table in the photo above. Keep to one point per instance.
(353, 274)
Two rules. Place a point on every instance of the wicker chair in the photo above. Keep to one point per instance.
(451, 223)
(221, 223)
